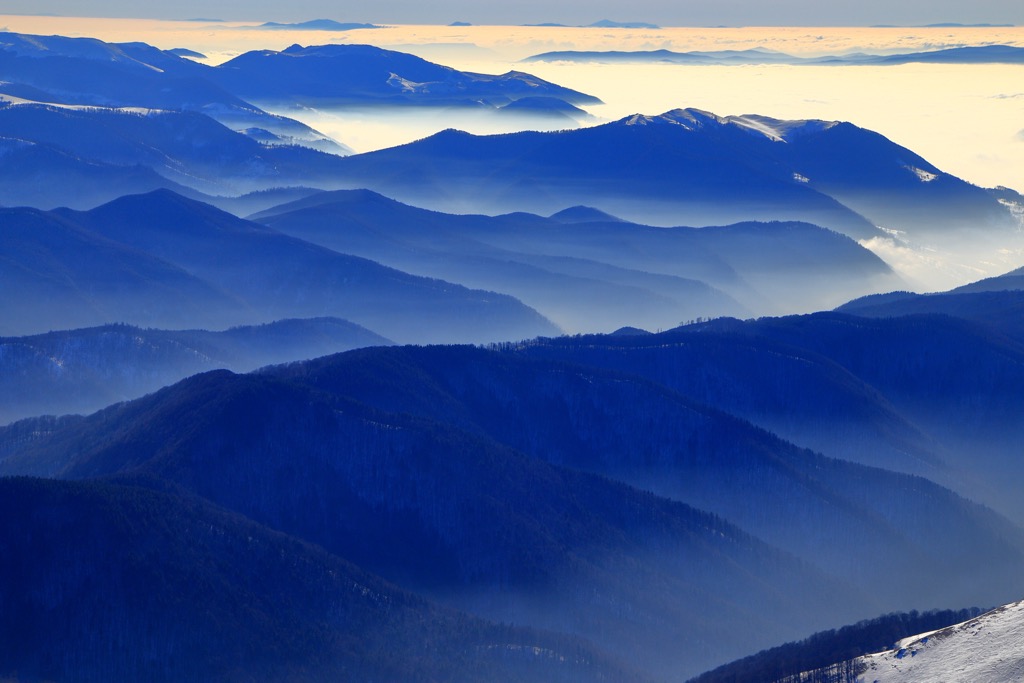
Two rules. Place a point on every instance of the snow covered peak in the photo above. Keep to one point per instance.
(777, 130)
(987, 649)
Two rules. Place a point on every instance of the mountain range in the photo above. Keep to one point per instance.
(972, 54)
(345, 75)
(519, 483)
(693, 167)
(160, 259)
(90, 72)
(86, 71)
(517, 493)
(686, 166)
(189, 591)
(644, 276)
(928, 395)
(81, 371)
(448, 513)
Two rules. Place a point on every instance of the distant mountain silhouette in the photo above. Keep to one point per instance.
(603, 23)
(980, 54)
(550, 107)
(692, 167)
(81, 371)
(328, 75)
(562, 264)
(186, 148)
(86, 71)
(237, 273)
(708, 169)
(45, 176)
(317, 25)
(67, 275)
(608, 23)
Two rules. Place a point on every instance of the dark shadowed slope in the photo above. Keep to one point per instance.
(457, 516)
(463, 465)
(985, 302)
(903, 393)
(105, 582)
(637, 431)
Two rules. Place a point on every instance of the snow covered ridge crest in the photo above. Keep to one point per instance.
(986, 649)
(776, 130)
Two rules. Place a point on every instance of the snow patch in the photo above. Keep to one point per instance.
(1016, 210)
(404, 84)
(987, 649)
(923, 176)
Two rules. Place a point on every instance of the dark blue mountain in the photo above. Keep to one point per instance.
(454, 515)
(636, 431)
(339, 75)
(1002, 310)
(185, 148)
(189, 591)
(81, 371)
(932, 395)
(968, 54)
(545, 107)
(86, 71)
(486, 478)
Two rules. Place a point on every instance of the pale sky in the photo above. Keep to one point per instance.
(575, 12)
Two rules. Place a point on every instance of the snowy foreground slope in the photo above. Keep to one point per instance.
(987, 649)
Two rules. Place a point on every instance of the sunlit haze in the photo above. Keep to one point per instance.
(966, 119)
